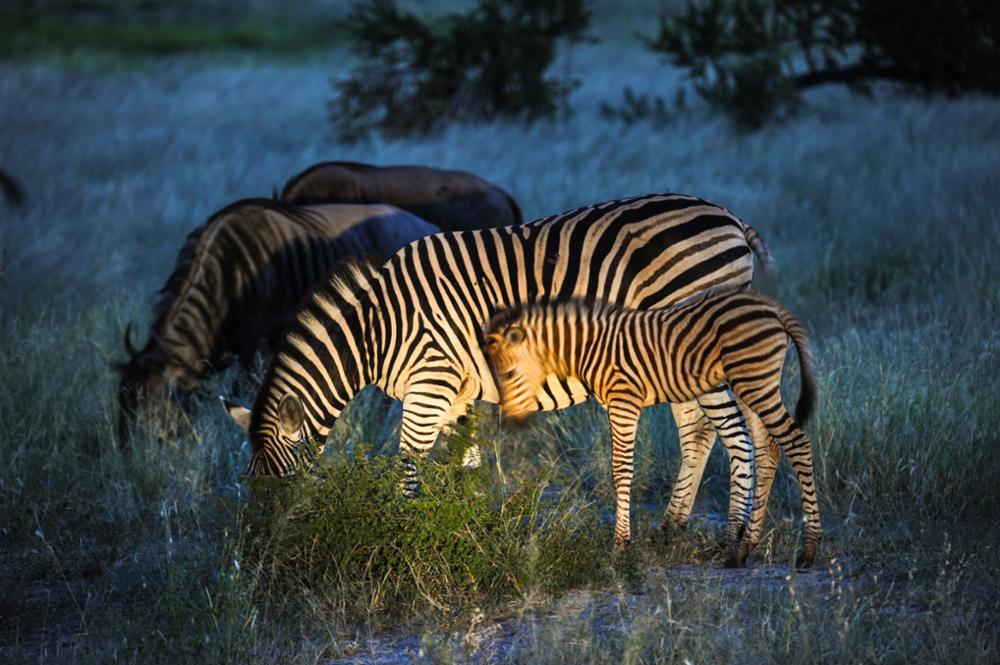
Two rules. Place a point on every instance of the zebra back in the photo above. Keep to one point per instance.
(671, 354)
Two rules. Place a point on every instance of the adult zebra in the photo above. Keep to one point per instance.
(238, 280)
(413, 330)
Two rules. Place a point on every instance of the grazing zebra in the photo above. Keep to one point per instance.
(237, 282)
(414, 330)
(451, 200)
(630, 359)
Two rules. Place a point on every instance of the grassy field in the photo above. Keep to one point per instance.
(883, 214)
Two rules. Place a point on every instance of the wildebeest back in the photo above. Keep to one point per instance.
(451, 200)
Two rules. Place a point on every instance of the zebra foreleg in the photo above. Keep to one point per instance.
(472, 458)
(696, 439)
(424, 414)
(624, 417)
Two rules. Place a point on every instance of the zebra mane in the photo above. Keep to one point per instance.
(573, 307)
(348, 277)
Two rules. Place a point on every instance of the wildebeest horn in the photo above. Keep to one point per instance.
(131, 350)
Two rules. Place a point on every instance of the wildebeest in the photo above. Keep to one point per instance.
(451, 200)
(237, 280)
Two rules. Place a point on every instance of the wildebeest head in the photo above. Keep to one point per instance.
(148, 394)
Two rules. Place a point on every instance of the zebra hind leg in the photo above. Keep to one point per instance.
(767, 455)
(726, 416)
(696, 439)
(798, 449)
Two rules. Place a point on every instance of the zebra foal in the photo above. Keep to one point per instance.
(631, 359)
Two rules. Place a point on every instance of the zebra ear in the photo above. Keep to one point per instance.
(290, 413)
(239, 414)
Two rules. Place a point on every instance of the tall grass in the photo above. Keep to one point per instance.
(882, 213)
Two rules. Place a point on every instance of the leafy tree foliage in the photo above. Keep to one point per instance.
(752, 58)
(488, 62)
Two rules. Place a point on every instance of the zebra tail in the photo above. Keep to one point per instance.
(759, 248)
(807, 396)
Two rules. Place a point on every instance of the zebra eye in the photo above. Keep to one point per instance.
(515, 335)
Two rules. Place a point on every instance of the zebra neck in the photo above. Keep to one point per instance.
(326, 356)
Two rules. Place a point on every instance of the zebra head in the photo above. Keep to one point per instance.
(517, 356)
(277, 430)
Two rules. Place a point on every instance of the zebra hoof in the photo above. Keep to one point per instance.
(669, 527)
(737, 560)
(805, 560)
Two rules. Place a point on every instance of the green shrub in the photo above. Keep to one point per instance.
(488, 62)
(350, 539)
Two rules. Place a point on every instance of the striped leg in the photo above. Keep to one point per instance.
(696, 439)
(726, 417)
(425, 411)
(472, 458)
(624, 417)
(697, 424)
(767, 456)
(797, 447)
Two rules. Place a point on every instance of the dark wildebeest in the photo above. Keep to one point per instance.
(451, 200)
(237, 280)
